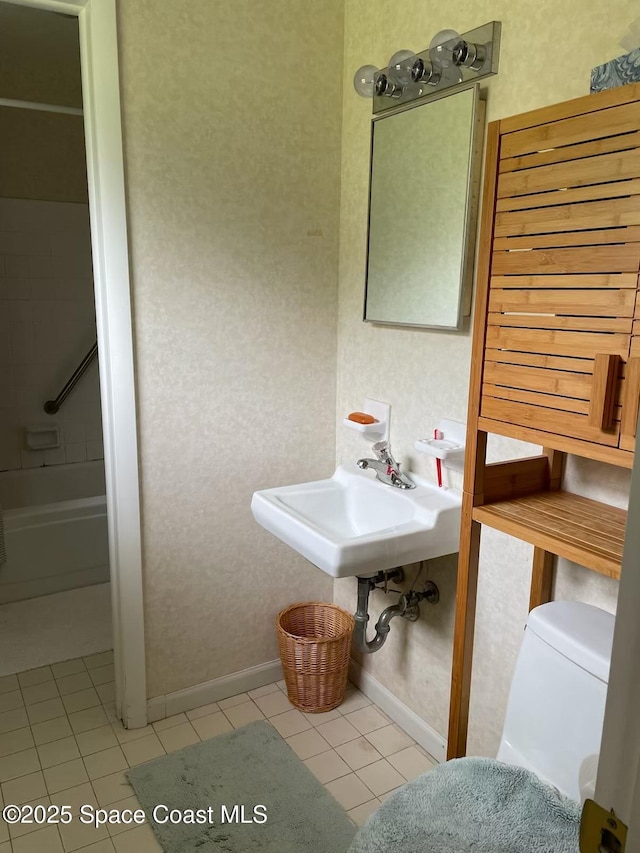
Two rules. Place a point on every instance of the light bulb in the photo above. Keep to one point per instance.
(364, 80)
(442, 46)
(452, 75)
(400, 67)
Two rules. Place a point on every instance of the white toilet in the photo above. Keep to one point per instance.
(555, 712)
(553, 729)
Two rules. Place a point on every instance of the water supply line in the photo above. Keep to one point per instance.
(407, 607)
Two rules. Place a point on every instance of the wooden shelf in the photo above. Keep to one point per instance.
(585, 531)
(555, 355)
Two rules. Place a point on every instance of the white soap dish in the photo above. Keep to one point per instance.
(374, 429)
(42, 437)
(379, 429)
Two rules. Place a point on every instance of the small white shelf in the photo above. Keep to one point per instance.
(377, 431)
(450, 448)
(441, 448)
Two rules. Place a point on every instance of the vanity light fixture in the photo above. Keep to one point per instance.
(450, 59)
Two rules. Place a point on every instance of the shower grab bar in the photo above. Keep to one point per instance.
(52, 406)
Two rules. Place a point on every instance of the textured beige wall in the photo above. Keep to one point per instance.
(548, 50)
(233, 169)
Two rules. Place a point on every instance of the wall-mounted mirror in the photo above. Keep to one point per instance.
(422, 211)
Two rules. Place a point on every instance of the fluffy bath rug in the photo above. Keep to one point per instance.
(473, 804)
(253, 773)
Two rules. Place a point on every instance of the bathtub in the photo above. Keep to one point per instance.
(55, 523)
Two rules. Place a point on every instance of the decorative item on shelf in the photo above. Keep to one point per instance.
(372, 421)
(450, 59)
(617, 72)
(447, 445)
(622, 70)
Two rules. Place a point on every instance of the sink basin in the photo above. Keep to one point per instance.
(352, 524)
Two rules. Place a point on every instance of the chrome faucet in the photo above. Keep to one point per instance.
(386, 468)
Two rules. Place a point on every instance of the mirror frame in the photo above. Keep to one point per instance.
(465, 285)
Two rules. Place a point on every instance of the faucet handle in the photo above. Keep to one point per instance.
(382, 450)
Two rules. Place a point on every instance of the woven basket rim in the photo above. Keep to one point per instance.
(316, 639)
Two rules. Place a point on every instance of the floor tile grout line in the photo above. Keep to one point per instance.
(24, 704)
(330, 749)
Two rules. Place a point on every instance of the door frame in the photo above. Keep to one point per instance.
(107, 209)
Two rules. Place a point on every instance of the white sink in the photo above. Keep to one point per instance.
(352, 524)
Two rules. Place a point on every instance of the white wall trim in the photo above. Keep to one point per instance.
(423, 734)
(213, 691)
(105, 173)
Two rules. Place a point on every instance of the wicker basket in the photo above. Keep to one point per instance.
(315, 645)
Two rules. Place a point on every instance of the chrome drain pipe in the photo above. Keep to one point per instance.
(406, 607)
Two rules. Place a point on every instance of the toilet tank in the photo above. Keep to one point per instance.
(556, 703)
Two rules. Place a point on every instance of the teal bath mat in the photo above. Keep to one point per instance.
(473, 805)
(247, 769)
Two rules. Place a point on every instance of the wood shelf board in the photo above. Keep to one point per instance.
(585, 531)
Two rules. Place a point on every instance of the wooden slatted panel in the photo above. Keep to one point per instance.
(549, 401)
(613, 213)
(569, 238)
(587, 259)
(528, 320)
(584, 105)
(553, 362)
(541, 377)
(618, 190)
(569, 131)
(562, 383)
(564, 273)
(557, 441)
(585, 171)
(620, 280)
(579, 529)
(551, 342)
(584, 303)
(620, 142)
(544, 419)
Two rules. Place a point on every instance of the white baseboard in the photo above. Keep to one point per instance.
(213, 691)
(160, 707)
(428, 738)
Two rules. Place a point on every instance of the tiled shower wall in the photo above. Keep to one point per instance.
(47, 325)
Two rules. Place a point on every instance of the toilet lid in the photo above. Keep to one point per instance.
(580, 632)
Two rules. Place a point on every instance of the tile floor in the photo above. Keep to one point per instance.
(40, 631)
(60, 743)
